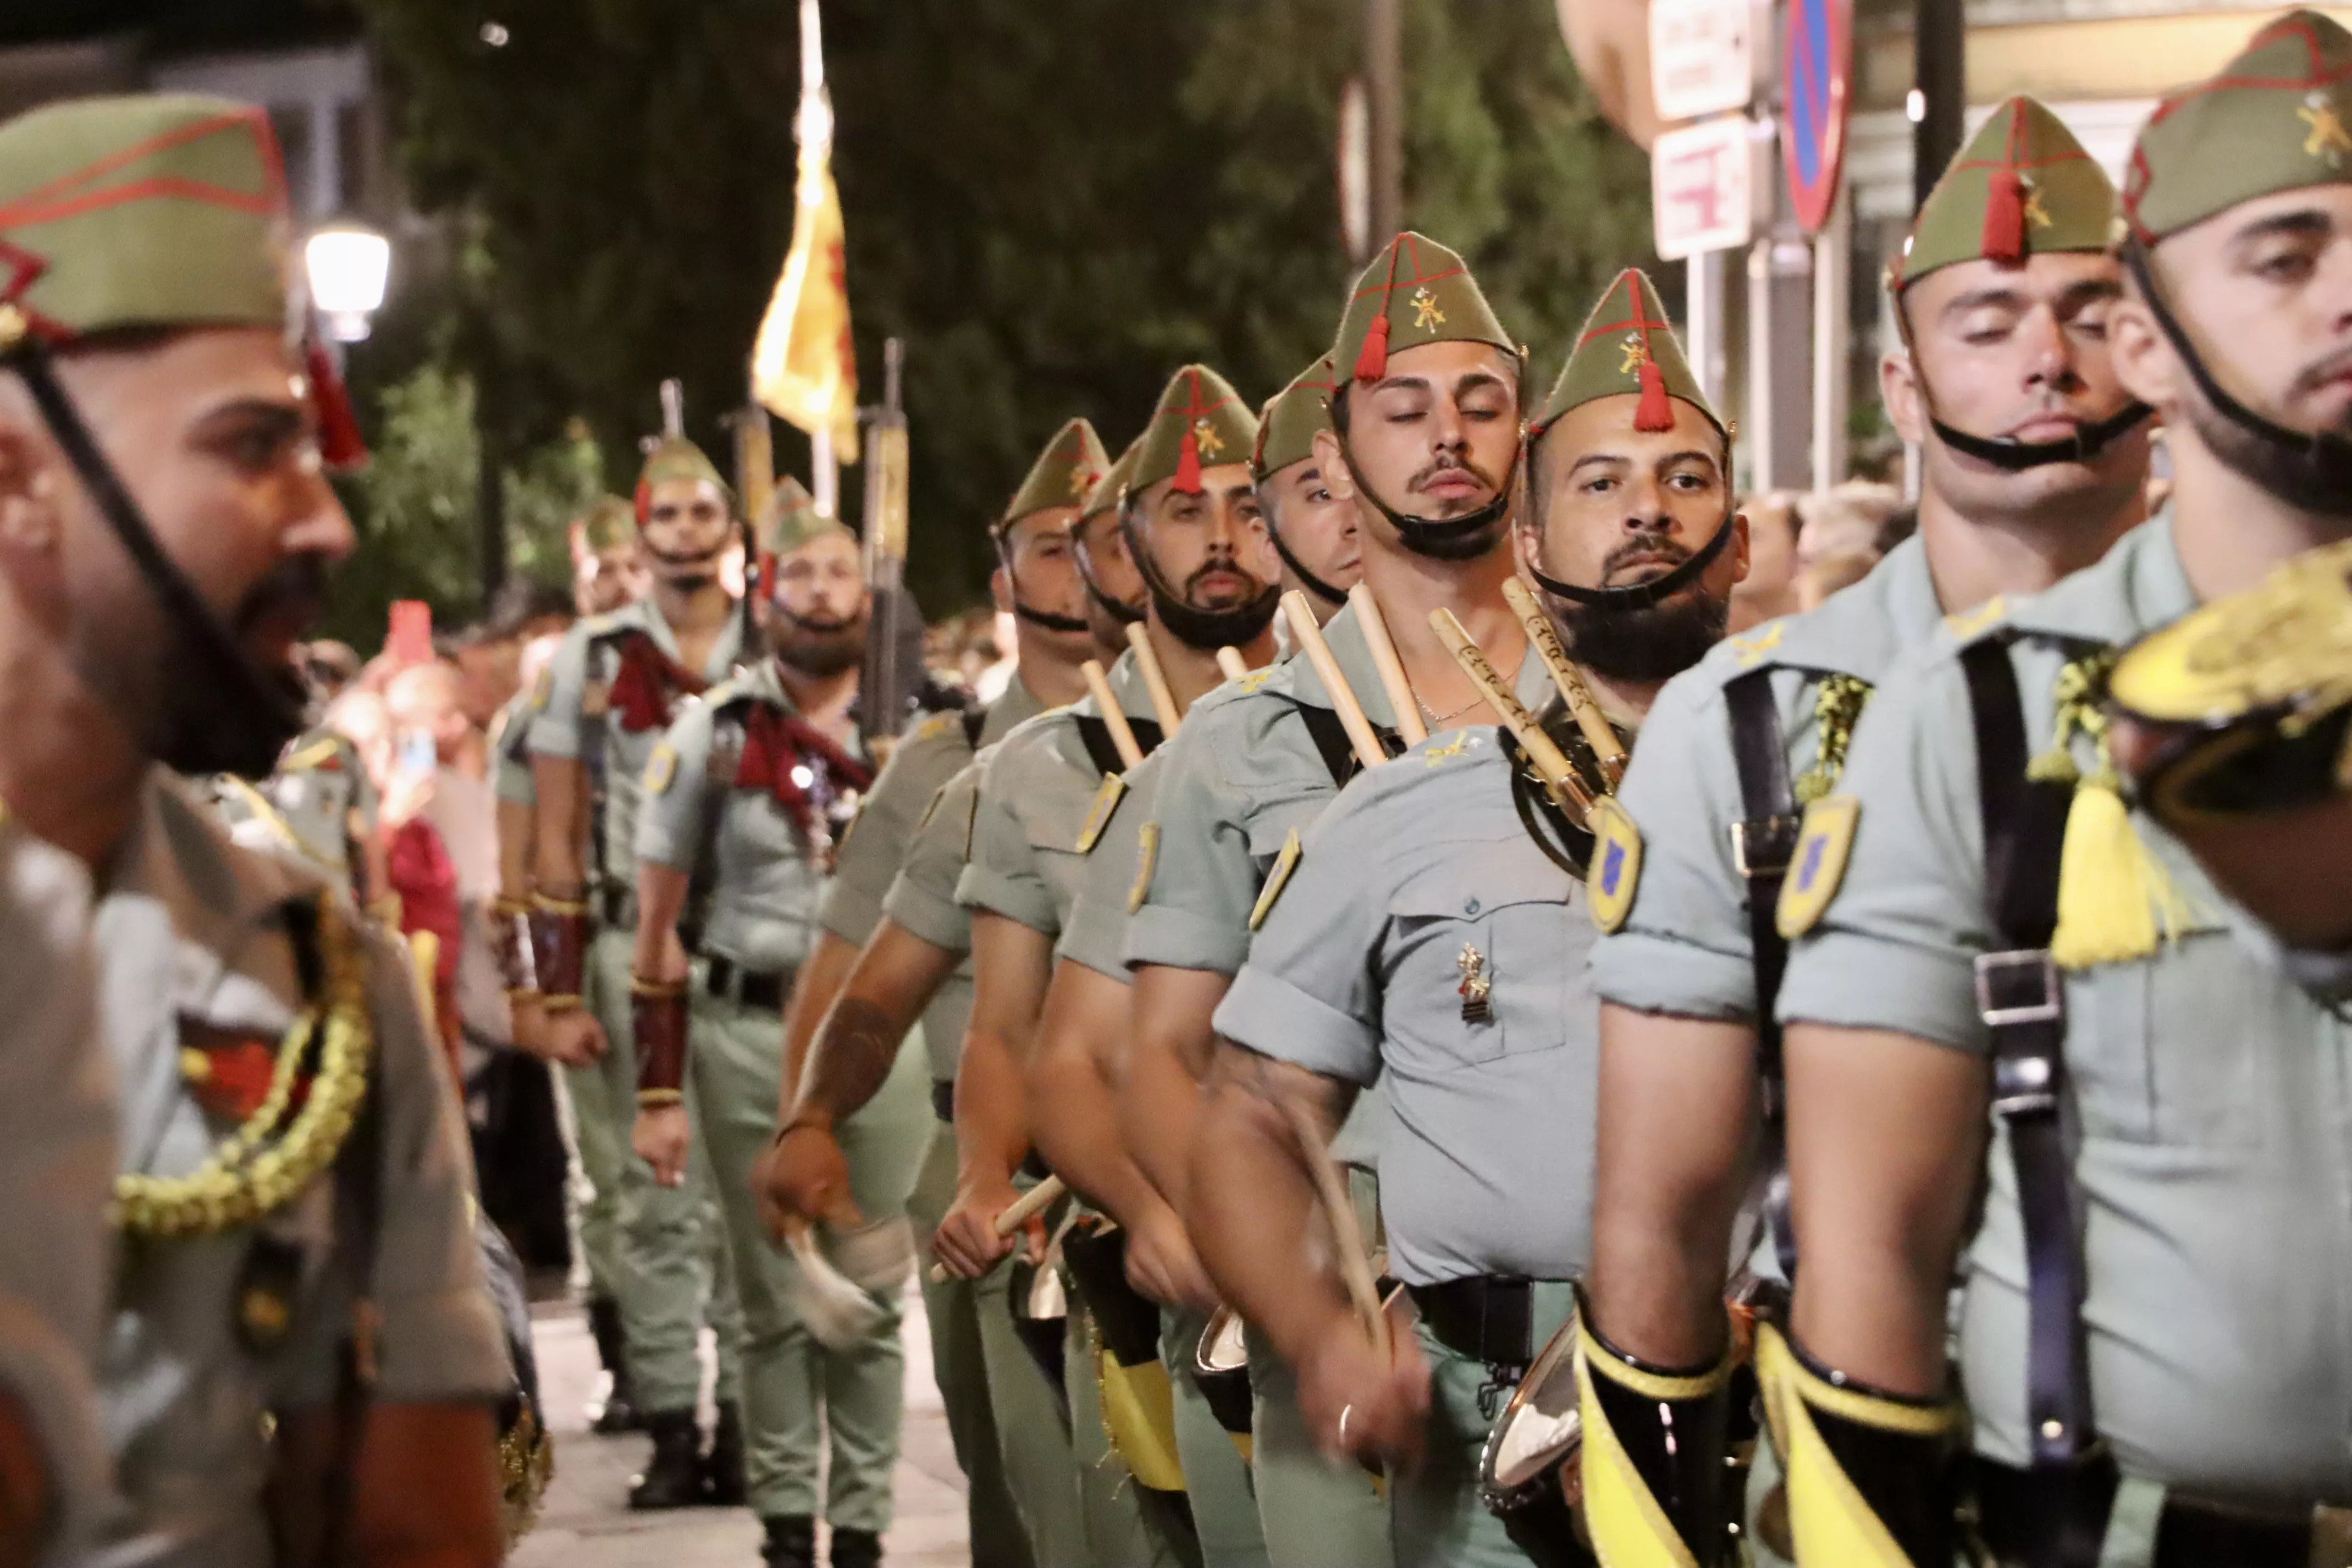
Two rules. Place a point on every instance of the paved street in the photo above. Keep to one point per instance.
(586, 1522)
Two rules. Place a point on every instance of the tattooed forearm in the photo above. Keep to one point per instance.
(852, 1054)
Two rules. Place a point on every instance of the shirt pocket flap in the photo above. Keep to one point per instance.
(1467, 886)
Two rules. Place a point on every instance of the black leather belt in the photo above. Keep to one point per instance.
(1489, 1318)
(2014, 1517)
(730, 981)
(617, 907)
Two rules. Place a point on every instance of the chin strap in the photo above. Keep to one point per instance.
(1307, 580)
(2329, 454)
(1192, 626)
(1642, 596)
(1440, 539)
(1035, 618)
(2016, 456)
(254, 723)
(1119, 610)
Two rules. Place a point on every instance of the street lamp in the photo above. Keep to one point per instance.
(348, 265)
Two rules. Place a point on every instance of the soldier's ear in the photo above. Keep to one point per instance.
(1336, 477)
(1898, 389)
(31, 483)
(2143, 356)
(1000, 589)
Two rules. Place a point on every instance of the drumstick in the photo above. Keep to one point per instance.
(1155, 680)
(1016, 1215)
(1309, 638)
(1231, 664)
(1391, 668)
(1573, 689)
(1549, 759)
(1122, 739)
(1355, 1266)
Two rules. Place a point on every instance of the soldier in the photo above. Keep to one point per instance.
(301, 1357)
(1262, 758)
(1420, 938)
(608, 559)
(1188, 516)
(616, 684)
(1313, 531)
(744, 800)
(892, 896)
(2030, 1042)
(2006, 318)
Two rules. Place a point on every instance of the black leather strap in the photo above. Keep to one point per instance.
(1094, 734)
(727, 980)
(1489, 1318)
(2021, 998)
(975, 719)
(1331, 742)
(1763, 844)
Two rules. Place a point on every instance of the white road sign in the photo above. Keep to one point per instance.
(1701, 58)
(1702, 180)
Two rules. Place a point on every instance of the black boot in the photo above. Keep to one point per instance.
(792, 1542)
(854, 1549)
(619, 1412)
(673, 1478)
(723, 1468)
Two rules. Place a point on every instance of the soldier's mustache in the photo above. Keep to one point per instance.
(2314, 377)
(1664, 555)
(295, 592)
(687, 557)
(1453, 466)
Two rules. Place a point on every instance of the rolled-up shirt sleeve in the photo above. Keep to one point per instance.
(555, 729)
(922, 897)
(676, 791)
(1002, 876)
(1196, 904)
(1308, 994)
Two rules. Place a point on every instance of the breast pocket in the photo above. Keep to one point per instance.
(2171, 1049)
(1483, 960)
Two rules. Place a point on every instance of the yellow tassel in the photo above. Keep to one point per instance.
(2116, 902)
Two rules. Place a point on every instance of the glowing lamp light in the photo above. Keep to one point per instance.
(804, 775)
(348, 267)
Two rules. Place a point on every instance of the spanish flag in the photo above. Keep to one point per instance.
(803, 367)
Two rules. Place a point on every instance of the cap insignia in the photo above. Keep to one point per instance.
(1205, 436)
(1082, 479)
(1425, 313)
(2035, 213)
(1636, 350)
(2328, 138)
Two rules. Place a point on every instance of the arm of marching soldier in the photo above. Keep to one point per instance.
(510, 912)
(425, 1490)
(1011, 966)
(1300, 1032)
(1888, 1083)
(672, 834)
(559, 859)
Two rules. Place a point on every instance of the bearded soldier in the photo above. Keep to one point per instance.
(2035, 461)
(2029, 1039)
(616, 684)
(301, 1357)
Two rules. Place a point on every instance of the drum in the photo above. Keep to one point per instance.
(525, 1453)
(1040, 1313)
(1221, 1371)
(1138, 1405)
(1529, 1475)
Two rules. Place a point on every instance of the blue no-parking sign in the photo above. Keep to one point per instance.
(1816, 67)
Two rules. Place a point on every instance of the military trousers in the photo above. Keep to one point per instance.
(1440, 1521)
(804, 1403)
(669, 1268)
(1004, 1418)
(1314, 1511)
(1217, 1481)
(1125, 1523)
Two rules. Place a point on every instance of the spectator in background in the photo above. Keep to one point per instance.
(608, 563)
(1770, 589)
(1838, 540)
(441, 849)
(487, 654)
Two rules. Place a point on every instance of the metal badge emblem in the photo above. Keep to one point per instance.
(1475, 987)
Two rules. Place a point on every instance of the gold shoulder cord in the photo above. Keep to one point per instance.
(1837, 704)
(250, 1173)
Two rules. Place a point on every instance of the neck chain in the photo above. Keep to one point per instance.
(1436, 721)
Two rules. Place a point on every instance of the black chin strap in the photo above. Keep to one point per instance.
(2329, 454)
(250, 730)
(1307, 580)
(1642, 595)
(1440, 539)
(1192, 626)
(1048, 619)
(2016, 456)
(1119, 610)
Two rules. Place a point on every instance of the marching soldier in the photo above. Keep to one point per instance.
(1313, 529)
(1260, 760)
(2035, 461)
(615, 685)
(1187, 516)
(744, 800)
(301, 1356)
(2032, 1043)
(1023, 1504)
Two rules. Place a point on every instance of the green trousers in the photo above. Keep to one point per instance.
(803, 1402)
(1216, 1477)
(666, 1257)
(1313, 1512)
(1126, 1525)
(1440, 1520)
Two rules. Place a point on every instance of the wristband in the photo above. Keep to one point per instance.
(510, 944)
(558, 945)
(657, 1024)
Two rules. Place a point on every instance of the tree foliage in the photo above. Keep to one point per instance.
(1053, 203)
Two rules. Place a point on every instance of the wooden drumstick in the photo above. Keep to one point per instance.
(1016, 1214)
(1585, 708)
(1547, 756)
(1155, 679)
(1122, 739)
(1231, 664)
(1308, 637)
(1347, 1239)
(1389, 666)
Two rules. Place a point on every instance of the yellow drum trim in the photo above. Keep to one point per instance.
(1828, 1518)
(1138, 1413)
(1629, 1530)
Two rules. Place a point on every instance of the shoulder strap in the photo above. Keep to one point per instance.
(2022, 999)
(975, 719)
(1762, 845)
(1094, 734)
(1331, 744)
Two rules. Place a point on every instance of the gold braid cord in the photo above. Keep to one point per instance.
(1837, 704)
(258, 1168)
(526, 1466)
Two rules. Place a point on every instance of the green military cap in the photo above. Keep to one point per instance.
(1627, 350)
(1113, 484)
(2022, 186)
(1063, 475)
(1200, 423)
(675, 458)
(1286, 425)
(610, 522)
(2272, 120)
(1415, 291)
(791, 521)
(163, 210)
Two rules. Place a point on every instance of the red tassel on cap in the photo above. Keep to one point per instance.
(1187, 465)
(1372, 359)
(340, 447)
(2004, 217)
(645, 499)
(1653, 411)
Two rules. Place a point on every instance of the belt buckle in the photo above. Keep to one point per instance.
(1995, 970)
(1777, 834)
